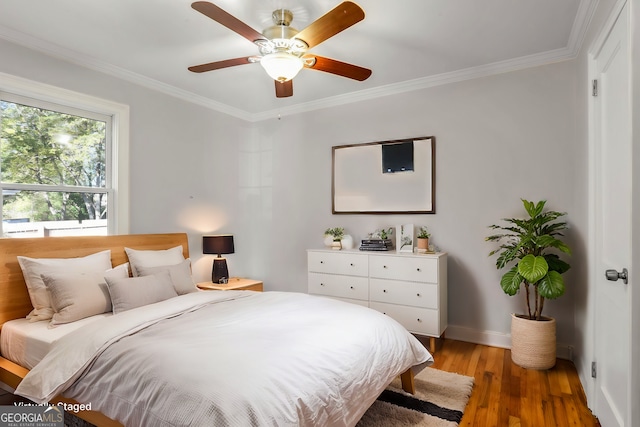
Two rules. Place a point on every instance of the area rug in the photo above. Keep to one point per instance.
(439, 401)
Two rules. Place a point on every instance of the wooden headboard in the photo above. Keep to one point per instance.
(14, 298)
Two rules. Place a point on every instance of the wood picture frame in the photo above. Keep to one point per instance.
(360, 183)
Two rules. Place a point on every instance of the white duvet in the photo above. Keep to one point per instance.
(232, 358)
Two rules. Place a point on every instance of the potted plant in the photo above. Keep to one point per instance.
(336, 234)
(423, 238)
(381, 234)
(530, 243)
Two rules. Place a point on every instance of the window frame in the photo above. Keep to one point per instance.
(16, 89)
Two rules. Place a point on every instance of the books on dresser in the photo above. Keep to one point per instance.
(376, 245)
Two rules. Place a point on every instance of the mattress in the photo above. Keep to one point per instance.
(26, 343)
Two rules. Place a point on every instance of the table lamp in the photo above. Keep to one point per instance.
(217, 245)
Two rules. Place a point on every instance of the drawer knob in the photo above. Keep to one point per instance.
(419, 320)
(321, 262)
(351, 287)
(384, 266)
(321, 284)
(418, 269)
(384, 290)
(417, 294)
(351, 264)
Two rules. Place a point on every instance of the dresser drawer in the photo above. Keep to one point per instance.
(339, 286)
(421, 321)
(414, 294)
(351, 264)
(413, 269)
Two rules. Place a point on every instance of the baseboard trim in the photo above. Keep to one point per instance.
(497, 339)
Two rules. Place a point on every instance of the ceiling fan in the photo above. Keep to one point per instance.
(283, 49)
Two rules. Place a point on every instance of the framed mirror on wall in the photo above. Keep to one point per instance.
(386, 177)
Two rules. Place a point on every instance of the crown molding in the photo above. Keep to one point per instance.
(423, 83)
(581, 23)
(85, 61)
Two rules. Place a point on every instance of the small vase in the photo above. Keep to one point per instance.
(347, 242)
(336, 245)
(423, 243)
(328, 240)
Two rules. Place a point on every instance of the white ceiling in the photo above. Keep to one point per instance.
(409, 44)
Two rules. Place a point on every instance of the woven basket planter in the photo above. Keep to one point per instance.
(533, 342)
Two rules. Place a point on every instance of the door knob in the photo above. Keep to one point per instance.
(614, 275)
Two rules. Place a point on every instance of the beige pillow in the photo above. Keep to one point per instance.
(180, 275)
(75, 296)
(131, 292)
(34, 268)
(152, 258)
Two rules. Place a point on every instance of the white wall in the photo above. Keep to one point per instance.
(498, 139)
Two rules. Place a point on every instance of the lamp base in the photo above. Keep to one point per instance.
(219, 270)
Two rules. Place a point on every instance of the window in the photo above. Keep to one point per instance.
(61, 165)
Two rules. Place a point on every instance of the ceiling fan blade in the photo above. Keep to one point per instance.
(340, 18)
(284, 89)
(339, 68)
(229, 21)
(219, 64)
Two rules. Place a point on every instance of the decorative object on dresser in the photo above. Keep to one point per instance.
(404, 238)
(336, 234)
(234, 283)
(423, 240)
(376, 245)
(528, 243)
(379, 240)
(346, 242)
(408, 287)
(218, 244)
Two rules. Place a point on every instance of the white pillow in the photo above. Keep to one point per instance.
(152, 258)
(75, 296)
(131, 292)
(180, 275)
(34, 268)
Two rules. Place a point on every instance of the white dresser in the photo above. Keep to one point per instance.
(411, 288)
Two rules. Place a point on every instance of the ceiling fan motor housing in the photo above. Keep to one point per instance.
(280, 37)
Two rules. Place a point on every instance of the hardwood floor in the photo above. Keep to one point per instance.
(505, 394)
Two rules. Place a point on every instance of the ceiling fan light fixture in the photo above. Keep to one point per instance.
(281, 66)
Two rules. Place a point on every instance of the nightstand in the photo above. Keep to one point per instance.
(235, 283)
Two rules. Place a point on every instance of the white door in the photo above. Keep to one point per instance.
(612, 163)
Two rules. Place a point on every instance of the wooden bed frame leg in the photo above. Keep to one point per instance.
(408, 384)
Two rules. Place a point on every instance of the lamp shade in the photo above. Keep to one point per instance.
(217, 244)
(281, 66)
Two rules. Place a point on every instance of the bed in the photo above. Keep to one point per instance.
(199, 358)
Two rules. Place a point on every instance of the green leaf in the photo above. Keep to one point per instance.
(556, 264)
(511, 281)
(533, 268)
(552, 285)
(533, 209)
